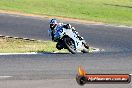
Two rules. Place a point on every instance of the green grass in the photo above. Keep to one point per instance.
(107, 11)
(10, 45)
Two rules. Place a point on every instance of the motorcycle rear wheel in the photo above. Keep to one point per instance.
(87, 47)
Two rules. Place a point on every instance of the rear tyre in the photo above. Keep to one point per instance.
(86, 48)
(86, 45)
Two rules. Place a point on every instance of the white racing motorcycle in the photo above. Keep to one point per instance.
(68, 39)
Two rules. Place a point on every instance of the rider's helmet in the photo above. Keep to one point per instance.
(53, 23)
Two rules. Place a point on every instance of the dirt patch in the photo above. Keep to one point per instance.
(49, 17)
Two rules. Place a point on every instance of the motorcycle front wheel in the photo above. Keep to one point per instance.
(70, 45)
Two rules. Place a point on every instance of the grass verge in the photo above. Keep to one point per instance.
(10, 45)
(107, 11)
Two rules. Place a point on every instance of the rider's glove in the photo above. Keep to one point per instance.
(67, 26)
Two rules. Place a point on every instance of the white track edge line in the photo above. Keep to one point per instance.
(2, 77)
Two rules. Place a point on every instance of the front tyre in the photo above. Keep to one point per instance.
(70, 45)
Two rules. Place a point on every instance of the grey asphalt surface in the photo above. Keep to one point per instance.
(59, 70)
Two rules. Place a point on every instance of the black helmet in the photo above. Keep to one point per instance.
(53, 23)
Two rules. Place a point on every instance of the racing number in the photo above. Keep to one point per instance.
(77, 43)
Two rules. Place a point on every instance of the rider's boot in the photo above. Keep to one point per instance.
(59, 46)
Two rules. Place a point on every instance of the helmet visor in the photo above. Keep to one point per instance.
(52, 26)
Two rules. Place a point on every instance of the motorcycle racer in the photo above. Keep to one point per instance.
(54, 25)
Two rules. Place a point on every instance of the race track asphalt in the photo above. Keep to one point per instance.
(59, 70)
